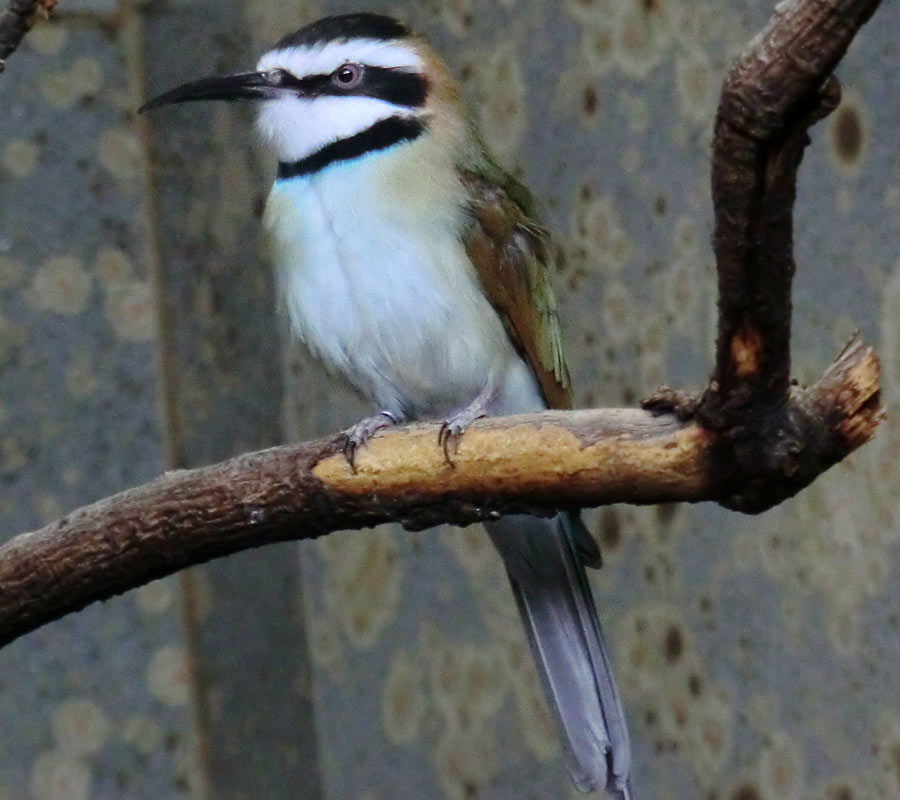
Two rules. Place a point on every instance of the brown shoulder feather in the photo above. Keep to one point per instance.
(510, 253)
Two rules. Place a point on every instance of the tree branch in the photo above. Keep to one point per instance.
(779, 87)
(16, 21)
(748, 442)
(525, 464)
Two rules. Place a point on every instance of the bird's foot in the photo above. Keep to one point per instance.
(454, 427)
(357, 435)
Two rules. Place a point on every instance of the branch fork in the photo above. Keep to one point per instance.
(749, 441)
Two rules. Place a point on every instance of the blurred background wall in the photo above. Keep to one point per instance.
(757, 656)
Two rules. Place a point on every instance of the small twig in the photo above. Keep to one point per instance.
(16, 21)
(666, 400)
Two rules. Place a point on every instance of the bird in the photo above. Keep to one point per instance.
(414, 266)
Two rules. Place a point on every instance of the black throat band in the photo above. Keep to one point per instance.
(380, 136)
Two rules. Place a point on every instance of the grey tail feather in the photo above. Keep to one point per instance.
(544, 559)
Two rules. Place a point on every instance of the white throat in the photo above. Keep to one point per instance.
(296, 127)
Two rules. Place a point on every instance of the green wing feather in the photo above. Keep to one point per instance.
(511, 253)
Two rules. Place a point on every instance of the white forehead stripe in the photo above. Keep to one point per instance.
(323, 59)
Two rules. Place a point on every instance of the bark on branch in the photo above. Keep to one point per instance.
(748, 442)
(531, 464)
(779, 88)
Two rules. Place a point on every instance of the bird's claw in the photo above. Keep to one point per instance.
(449, 434)
(351, 444)
(452, 430)
(359, 434)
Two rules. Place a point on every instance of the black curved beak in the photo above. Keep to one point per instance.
(242, 86)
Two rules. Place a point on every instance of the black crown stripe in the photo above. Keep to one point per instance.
(380, 136)
(391, 84)
(346, 26)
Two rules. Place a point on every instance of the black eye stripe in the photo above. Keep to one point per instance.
(281, 77)
(397, 86)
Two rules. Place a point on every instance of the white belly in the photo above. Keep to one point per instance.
(383, 292)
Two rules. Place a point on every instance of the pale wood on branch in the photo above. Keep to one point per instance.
(531, 463)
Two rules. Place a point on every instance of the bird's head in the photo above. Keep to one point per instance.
(359, 77)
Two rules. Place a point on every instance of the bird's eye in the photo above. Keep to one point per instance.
(347, 76)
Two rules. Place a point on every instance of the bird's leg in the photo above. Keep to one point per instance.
(454, 427)
(357, 435)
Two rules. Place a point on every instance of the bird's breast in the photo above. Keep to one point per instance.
(376, 280)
